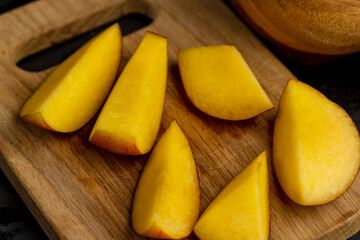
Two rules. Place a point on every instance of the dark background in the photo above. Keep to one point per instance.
(338, 81)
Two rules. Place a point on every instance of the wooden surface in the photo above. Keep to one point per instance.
(78, 191)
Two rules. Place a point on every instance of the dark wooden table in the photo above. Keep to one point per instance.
(339, 81)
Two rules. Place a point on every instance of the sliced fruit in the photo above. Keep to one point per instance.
(167, 198)
(130, 119)
(241, 210)
(72, 94)
(316, 146)
(218, 81)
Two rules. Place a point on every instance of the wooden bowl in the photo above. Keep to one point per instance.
(306, 30)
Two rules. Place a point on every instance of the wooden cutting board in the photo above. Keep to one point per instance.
(78, 191)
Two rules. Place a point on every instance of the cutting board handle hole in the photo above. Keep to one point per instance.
(9, 5)
(54, 55)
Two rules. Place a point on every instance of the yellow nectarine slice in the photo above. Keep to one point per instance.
(241, 210)
(130, 119)
(316, 146)
(71, 95)
(167, 198)
(218, 81)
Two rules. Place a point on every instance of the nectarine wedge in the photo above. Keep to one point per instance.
(218, 81)
(241, 210)
(167, 198)
(72, 94)
(130, 119)
(316, 146)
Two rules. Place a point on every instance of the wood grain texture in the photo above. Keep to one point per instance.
(78, 191)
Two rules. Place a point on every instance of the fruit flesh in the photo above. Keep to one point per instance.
(241, 210)
(316, 146)
(130, 119)
(71, 95)
(218, 81)
(167, 198)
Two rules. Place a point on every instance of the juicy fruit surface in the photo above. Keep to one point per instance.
(316, 146)
(218, 81)
(72, 94)
(241, 210)
(167, 198)
(130, 118)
